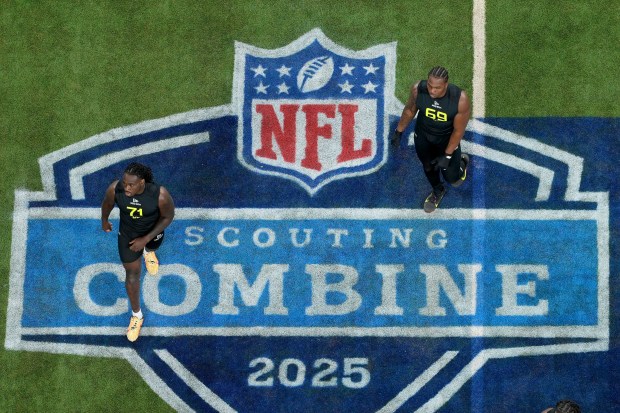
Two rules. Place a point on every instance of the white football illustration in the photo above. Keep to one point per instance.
(315, 74)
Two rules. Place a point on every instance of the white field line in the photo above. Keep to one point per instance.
(480, 62)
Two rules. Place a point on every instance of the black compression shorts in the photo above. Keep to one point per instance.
(127, 255)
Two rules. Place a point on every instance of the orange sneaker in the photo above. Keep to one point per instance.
(133, 331)
(152, 264)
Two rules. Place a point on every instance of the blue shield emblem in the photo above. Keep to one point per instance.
(313, 111)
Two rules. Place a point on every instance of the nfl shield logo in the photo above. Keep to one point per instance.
(313, 111)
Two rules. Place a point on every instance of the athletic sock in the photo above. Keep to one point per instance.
(138, 314)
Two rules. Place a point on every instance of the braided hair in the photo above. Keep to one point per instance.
(567, 406)
(139, 170)
(439, 72)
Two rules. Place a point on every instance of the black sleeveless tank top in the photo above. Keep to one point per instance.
(138, 214)
(436, 116)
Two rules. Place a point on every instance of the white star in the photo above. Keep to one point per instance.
(259, 71)
(284, 71)
(346, 69)
(282, 88)
(371, 69)
(345, 87)
(261, 88)
(369, 87)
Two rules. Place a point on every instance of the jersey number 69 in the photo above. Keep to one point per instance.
(436, 115)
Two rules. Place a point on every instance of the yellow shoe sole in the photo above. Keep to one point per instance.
(133, 331)
(151, 262)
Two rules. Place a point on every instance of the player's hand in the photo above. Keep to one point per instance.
(442, 162)
(395, 140)
(106, 226)
(138, 244)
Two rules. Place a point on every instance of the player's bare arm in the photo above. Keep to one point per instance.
(166, 215)
(410, 109)
(107, 205)
(460, 123)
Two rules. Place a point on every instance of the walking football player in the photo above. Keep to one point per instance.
(443, 112)
(146, 209)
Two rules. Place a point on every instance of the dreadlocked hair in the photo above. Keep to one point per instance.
(439, 72)
(139, 170)
(567, 406)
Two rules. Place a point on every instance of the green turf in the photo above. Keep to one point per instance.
(46, 383)
(555, 58)
(69, 70)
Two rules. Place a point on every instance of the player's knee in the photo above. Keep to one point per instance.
(132, 277)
